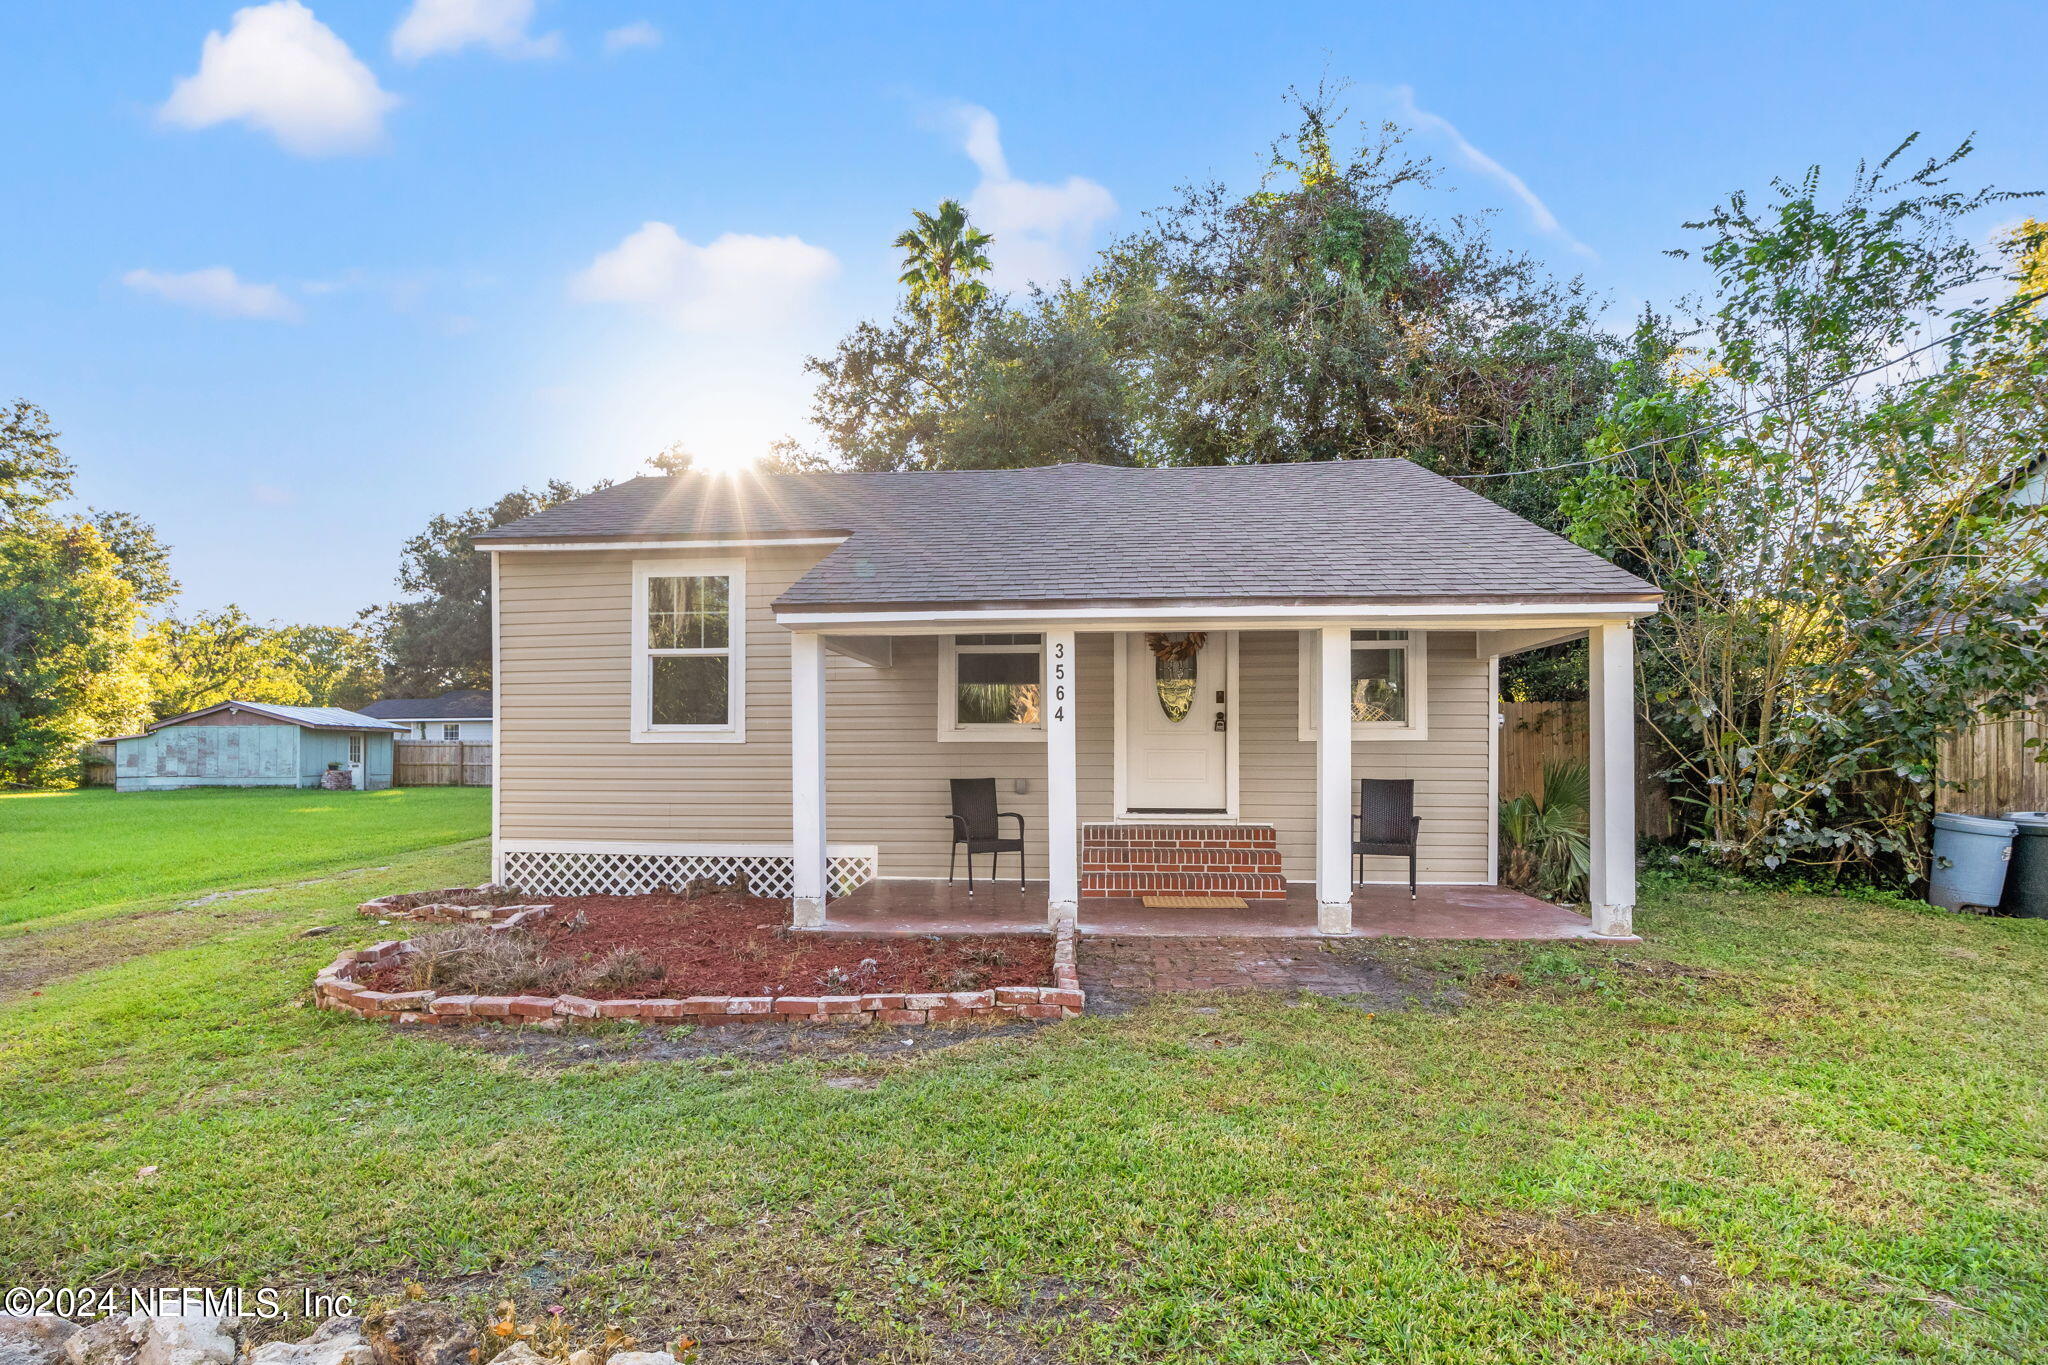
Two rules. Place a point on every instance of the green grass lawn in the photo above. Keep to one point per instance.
(1835, 1108)
(101, 850)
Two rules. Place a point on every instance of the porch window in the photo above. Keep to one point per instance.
(1389, 684)
(991, 687)
(689, 628)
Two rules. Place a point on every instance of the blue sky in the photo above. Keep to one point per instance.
(291, 288)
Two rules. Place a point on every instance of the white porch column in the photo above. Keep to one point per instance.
(1333, 782)
(1611, 745)
(1062, 804)
(807, 777)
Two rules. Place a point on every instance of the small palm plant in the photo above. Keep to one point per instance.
(1545, 833)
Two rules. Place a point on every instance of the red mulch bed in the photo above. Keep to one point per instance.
(742, 945)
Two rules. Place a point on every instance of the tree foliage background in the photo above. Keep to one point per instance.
(73, 589)
(1850, 575)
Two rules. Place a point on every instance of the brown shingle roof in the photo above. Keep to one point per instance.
(1358, 530)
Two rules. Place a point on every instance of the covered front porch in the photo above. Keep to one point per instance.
(1437, 912)
(1405, 697)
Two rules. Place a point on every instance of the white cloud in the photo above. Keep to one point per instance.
(279, 69)
(1539, 212)
(1041, 229)
(216, 290)
(433, 27)
(640, 33)
(737, 282)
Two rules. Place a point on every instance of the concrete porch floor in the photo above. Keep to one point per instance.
(1443, 912)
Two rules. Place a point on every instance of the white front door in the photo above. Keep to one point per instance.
(358, 771)
(1176, 723)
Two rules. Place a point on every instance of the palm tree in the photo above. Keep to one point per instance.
(941, 255)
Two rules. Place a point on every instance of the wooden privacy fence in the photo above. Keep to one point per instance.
(1538, 732)
(1994, 767)
(440, 763)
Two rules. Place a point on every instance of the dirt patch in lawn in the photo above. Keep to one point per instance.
(628, 947)
(31, 961)
(1121, 974)
(38, 953)
(1634, 1270)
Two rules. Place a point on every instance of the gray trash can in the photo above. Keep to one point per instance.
(2026, 880)
(1970, 857)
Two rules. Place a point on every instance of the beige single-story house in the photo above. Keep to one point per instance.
(783, 673)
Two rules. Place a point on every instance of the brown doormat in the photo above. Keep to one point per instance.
(1195, 903)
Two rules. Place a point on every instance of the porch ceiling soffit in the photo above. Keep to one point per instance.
(1491, 644)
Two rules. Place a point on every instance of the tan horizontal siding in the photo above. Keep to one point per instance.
(1451, 768)
(567, 770)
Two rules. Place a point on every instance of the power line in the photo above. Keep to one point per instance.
(1992, 316)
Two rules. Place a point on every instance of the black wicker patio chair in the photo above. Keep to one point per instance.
(1385, 825)
(975, 820)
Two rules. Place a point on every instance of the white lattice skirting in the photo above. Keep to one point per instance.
(627, 870)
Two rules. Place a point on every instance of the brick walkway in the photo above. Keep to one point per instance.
(1121, 973)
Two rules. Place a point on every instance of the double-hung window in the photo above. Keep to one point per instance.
(451, 732)
(1389, 684)
(992, 687)
(689, 651)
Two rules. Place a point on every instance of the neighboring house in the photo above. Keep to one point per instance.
(780, 673)
(254, 744)
(464, 714)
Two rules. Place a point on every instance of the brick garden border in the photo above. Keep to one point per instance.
(335, 988)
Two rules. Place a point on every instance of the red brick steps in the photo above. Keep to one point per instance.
(1177, 859)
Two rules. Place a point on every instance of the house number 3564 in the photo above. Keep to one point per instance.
(1059, 680)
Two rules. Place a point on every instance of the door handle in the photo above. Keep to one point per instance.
(1222, 720)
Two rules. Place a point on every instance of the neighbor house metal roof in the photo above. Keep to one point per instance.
(312, 717)
(468, 703)
(1361, 530)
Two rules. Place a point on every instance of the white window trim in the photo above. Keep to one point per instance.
(446, 726)
(734, 731)
(949, 677)
(1416, 646)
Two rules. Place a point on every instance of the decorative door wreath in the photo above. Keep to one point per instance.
(1169, 650)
